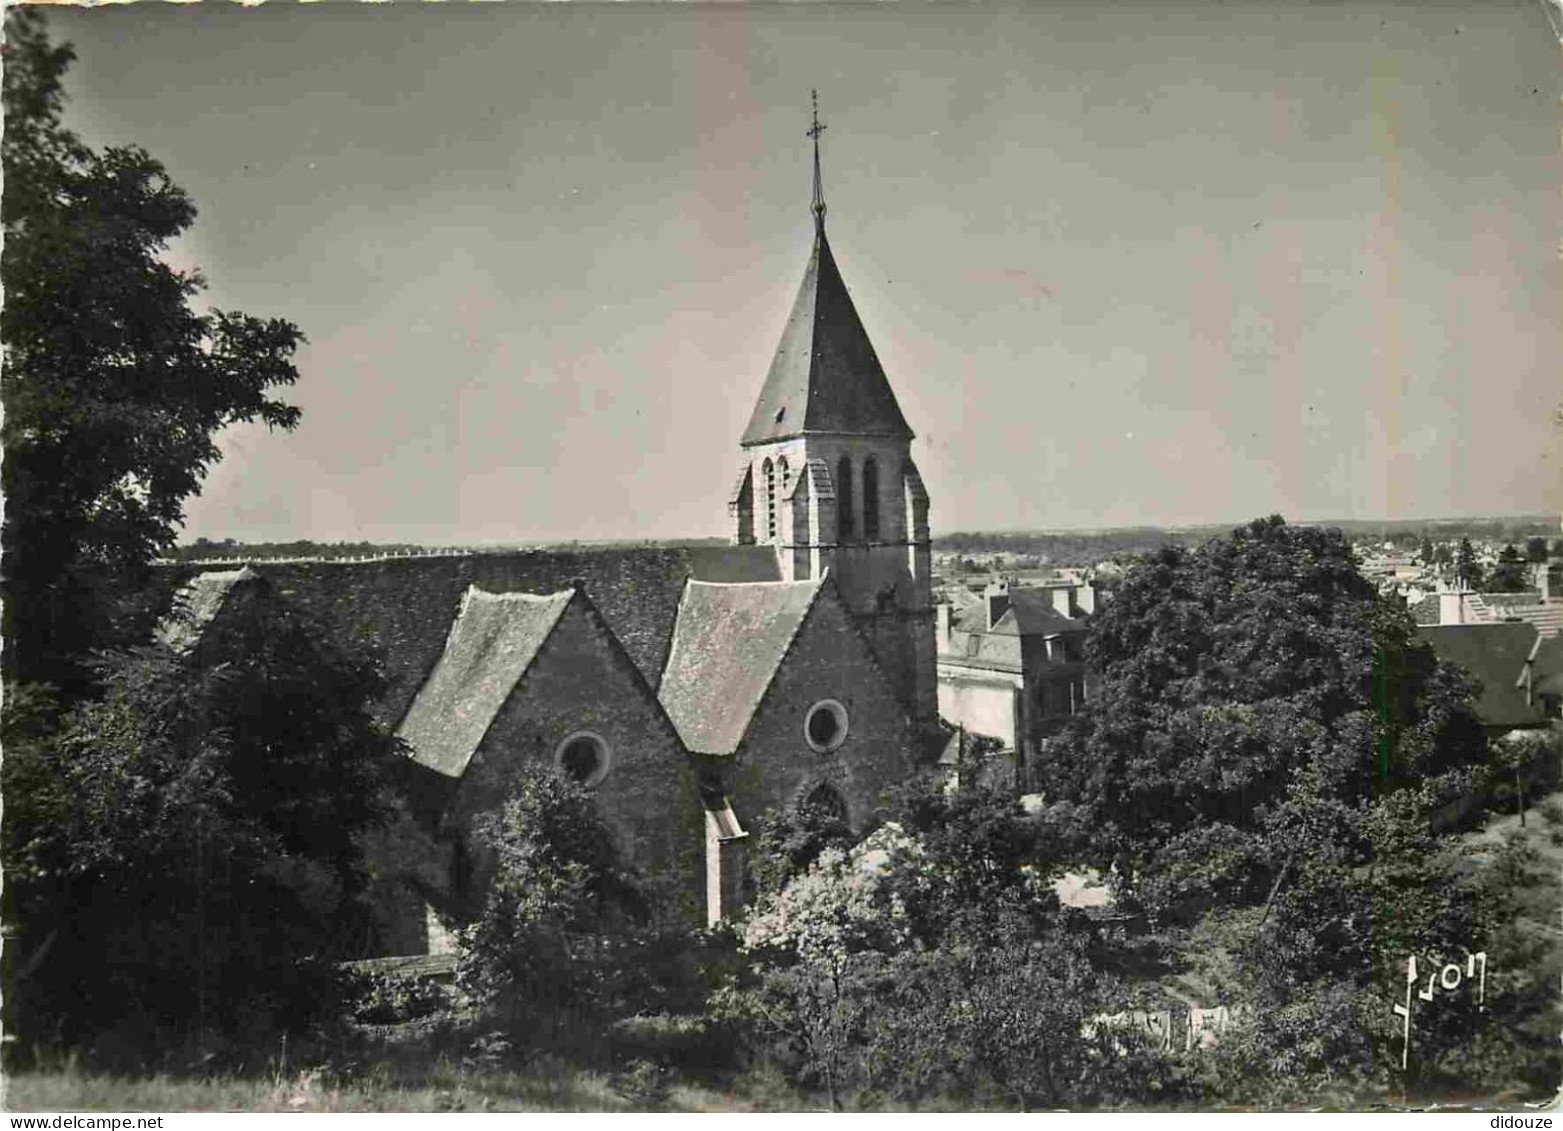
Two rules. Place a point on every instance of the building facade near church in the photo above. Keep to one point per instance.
(691, 688)
(1012, 667)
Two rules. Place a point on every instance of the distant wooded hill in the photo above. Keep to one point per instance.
(208, 549)
(1059, 547)
(1083, 547)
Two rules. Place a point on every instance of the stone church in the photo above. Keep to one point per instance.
(691, 688)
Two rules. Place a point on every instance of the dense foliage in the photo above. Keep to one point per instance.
(1262, 764)
(1242, 686)
(1467, 569)
(180, 822)
(786, 841)
(1509, 575)
(933, 959)
(184, 845)
(565, 937)
(114, 388)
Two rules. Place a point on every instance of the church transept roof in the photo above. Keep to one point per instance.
(728, 642)
(491, 645)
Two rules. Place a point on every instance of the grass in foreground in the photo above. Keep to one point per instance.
(445, 1089)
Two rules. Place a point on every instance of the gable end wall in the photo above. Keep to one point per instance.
(775, 766)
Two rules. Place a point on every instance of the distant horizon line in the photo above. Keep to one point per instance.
(1170, 528)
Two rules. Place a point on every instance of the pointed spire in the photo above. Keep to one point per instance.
(825, 376)
(814, 131)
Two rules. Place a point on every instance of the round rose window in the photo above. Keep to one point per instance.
(583, 757)
(825, 726)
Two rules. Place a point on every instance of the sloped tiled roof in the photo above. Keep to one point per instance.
(1031, 613)
(741, 483)
(1495, 654)
(727, 644)
(404, 606)
(825, 376)
(197, 605)
(1547, 664)
(494, 640)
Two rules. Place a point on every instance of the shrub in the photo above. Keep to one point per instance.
(385, 997)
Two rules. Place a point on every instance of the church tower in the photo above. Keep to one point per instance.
(828, 477)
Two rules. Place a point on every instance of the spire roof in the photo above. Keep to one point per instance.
(825, 376)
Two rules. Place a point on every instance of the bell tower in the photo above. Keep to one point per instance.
(828, 477)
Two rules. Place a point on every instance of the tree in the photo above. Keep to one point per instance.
(1223, 673)
(1510, 574)
(1466, 568)
(187, 844)
(1516, 757)
(1264, 757)
(554, 907)
(1019, 1017)
(1426, 551)
(113, 386)
(1535, 549)
(977, 850)
(933, 959)
(819, 960)
(787, 841)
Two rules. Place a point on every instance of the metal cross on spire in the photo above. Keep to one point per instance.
(819, 191)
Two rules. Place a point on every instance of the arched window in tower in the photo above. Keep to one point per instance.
(844, 497)
(871, 499)
(770, 499)
(786, 475)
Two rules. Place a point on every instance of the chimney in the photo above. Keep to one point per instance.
(1086, 597)
(1064, 601)
(1451, 606)
(997, 596)
(942, 612)
(1548, 580)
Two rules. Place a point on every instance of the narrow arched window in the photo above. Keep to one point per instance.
(871, 499)
(786, 475)
(770, 499)
(844, 497)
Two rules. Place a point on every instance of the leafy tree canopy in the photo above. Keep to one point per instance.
(1234, 679)
(560, 927)
(1266, 758)
(181, 844)
(1467, 569)
(114, 387)
(1510, 574)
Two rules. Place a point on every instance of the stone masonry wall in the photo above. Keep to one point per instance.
(581, 681)
(776, 767)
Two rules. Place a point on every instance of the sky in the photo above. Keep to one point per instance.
(1146, 263)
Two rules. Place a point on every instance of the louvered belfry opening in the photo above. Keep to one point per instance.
(770, 500)
(871, 499)
(844, 506)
